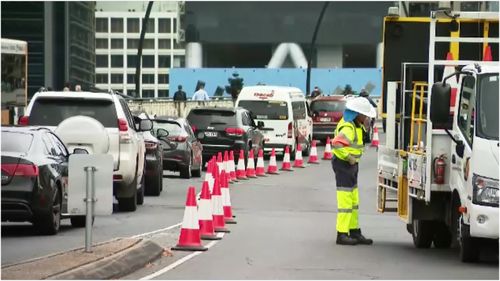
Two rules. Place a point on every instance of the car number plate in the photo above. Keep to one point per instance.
(211, 134)
(326, 119)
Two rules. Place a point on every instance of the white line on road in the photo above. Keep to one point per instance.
(179, 262)
(156, 231)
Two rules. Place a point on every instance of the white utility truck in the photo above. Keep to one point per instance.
(439, 167)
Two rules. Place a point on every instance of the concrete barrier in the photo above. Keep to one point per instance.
(174, 108)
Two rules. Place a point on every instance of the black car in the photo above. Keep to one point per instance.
(181, 149)
(34, 178)
(221, 129)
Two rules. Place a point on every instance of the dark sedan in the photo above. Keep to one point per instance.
(221, 129)
(34, 178)
(181, 150)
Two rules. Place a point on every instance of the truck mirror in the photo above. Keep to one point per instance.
(440, 103)
(459, 149)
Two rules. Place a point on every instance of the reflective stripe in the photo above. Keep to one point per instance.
(342, 188)
(355, 207)
(341, 134)
(344, 210)
(355, 147)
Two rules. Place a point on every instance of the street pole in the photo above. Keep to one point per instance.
(139, 49)
(311, 48)
(89, 200)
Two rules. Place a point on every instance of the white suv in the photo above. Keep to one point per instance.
(126, 144)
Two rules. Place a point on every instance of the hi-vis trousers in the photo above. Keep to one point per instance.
(346, 176)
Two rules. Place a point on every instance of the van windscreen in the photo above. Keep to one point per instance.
(266, 110)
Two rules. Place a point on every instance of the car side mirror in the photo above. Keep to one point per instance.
(459, 149)
(145, 125)
(80, 151)
(440, 100)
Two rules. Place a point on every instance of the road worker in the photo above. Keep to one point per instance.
(347, 148)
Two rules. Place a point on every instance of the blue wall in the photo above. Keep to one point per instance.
(328, 80)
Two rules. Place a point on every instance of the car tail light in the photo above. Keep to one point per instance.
(117, 177)
(290, 130)
(23, 170)
(151, 145)
(178, 138)
(235, 131)
(123, 128)
(23, 120)
(193, 127)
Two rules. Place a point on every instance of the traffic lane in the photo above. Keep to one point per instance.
(286, 230)
(20, 242)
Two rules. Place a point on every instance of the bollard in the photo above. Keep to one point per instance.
(89, 200)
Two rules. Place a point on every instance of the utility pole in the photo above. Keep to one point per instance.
(139, 49)
(311, 48)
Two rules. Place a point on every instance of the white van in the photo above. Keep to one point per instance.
(285, 111)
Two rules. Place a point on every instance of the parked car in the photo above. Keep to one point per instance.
(181, 150)
(154, 161)
(34, 179)
(221, 129)
(126, 144)
(327, 112)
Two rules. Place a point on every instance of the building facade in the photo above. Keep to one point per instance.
(118, 29)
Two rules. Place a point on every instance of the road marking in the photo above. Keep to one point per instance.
(156, 231)
(179, 262)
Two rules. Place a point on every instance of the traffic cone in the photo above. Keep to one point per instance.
(207, 230)
(240, 173)
(487, 54)
(209, 177)
(313, 157)
(452, 81)
(219, 161)
(273, 167)
(232, 171)
(260, 170)
(286, 166)
(226, 164)
(299, 162)
(375, 140)
(226, 199)
(217, 208)
(327, 155)
(189, 238)
(251, 165)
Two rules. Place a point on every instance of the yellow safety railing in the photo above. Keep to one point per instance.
(418, 88)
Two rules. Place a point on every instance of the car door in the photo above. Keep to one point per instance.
(137, 139)
(195, 144)
(63, 158)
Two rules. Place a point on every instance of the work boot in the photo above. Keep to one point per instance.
(356, 234)
(344, 239)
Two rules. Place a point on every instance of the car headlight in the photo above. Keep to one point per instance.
(485, 191)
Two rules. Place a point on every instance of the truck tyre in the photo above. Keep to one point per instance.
(442, 236)
(422, 233)
(469, 247)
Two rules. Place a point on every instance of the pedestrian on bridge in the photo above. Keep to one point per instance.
(201, 94)
(347, 148)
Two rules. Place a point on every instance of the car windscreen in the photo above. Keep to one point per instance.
(266, 110)
(209, 118)
(327, 106)
(51, 112)
(488, 107)
(173, 128)
(16, 141)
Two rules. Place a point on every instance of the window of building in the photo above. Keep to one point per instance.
(101, 60)
(163, 78)
(132, 43)
(148, 61)
(163, 25)
(116, 25)
(116, 78)
(163, 43)
(101, 79)
(101, 24)
(131, 78)
(148, 78)
(164, 61)
(148, 44)
(101, 43)
(116, 61)
(116, 43)
(151, 26)
(148, 93)
(179, 61)
(163, 93)
(178, 45)
(132, 61)
(133, 26)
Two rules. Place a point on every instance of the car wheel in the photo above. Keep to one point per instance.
(307, 152)
(140, 192)
(129, 204)
(50, 222)
(80, 221)
(154, 186)
(197, 173)
(185, 171)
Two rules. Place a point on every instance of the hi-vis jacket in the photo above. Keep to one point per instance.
(348, 141)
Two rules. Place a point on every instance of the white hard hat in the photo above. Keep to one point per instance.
(361, 105)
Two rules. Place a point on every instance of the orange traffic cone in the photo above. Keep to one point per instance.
(240, 173)
(251, 165)
(313, 157)
(219, 161)
(487, 54)
(286, 166)
(375, 140)
(225, 162)
(217, 208)
(327, 155)
(209, 176)
(452, 81)
(299, 162)
(260, 170)
(232, 171)
(226, 199)
(207, 230)
(189, 238)
(273, 167)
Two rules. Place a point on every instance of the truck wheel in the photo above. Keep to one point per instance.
(442, 235)
(469, 247)
(422, 233)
